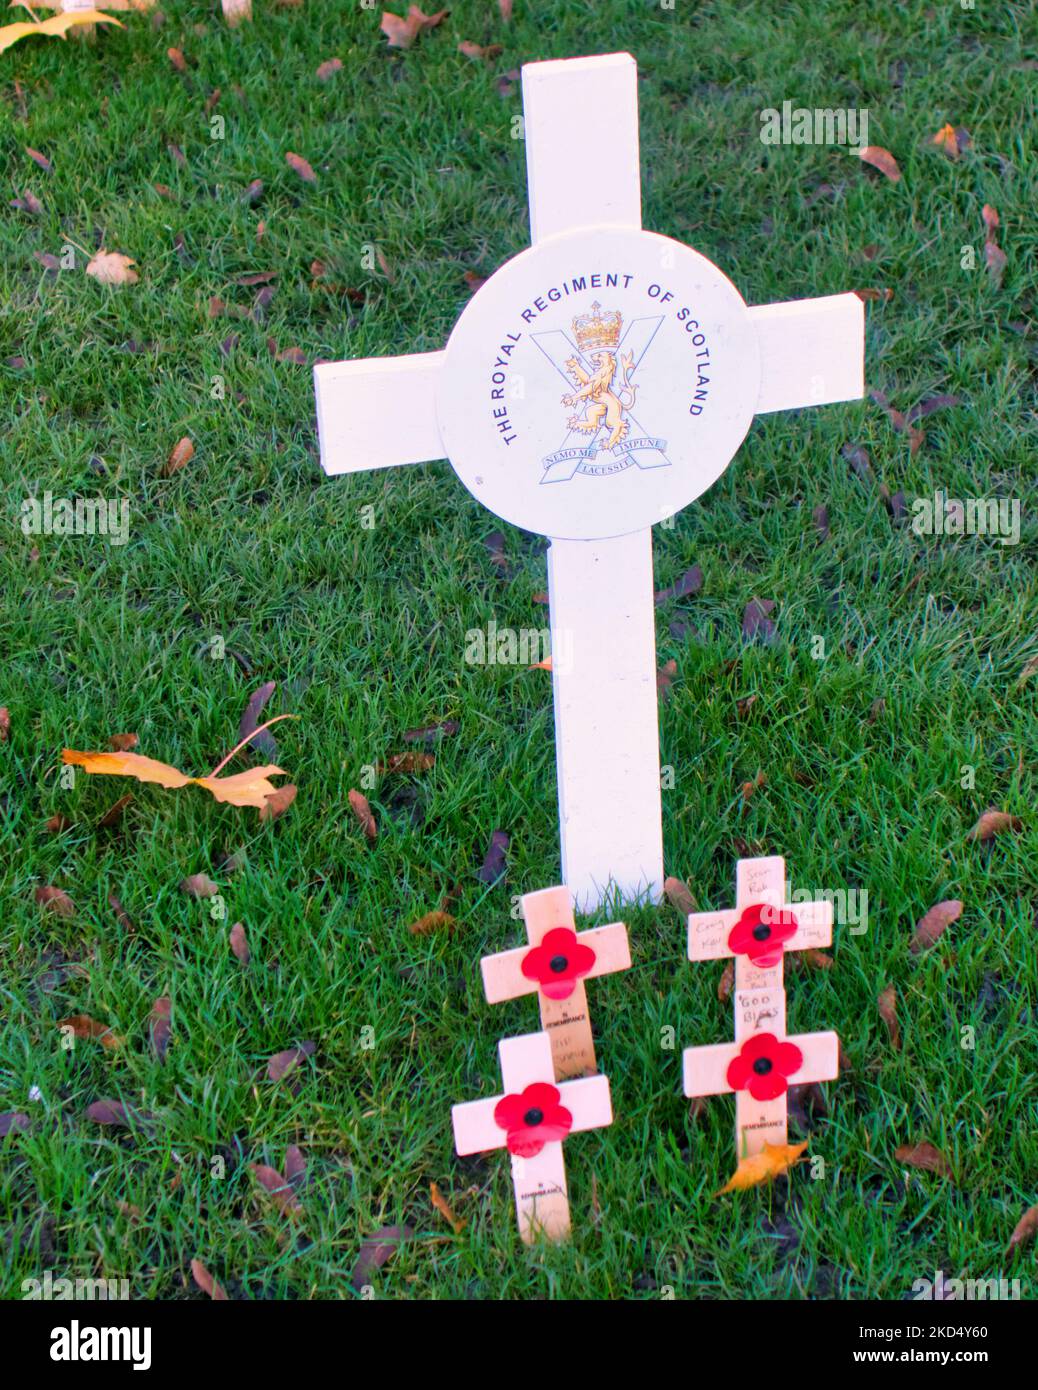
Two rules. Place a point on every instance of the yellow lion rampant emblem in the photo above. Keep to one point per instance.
(606, 389)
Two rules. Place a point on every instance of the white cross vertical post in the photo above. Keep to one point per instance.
(763, 1062)
(555, 965)
(607, 747)
(531, 1120)
(597, 383)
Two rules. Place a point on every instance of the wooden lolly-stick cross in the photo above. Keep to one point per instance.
(762, 1062)
(531, 1120)
(555, 965)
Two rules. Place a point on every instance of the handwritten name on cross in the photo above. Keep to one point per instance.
(531, 1120)
(555, 964)
(763, 1062)
(596, 384)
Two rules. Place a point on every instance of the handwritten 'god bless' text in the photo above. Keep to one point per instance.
(581, 284)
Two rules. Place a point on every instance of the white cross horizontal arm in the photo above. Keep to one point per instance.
(812, 352)
(708, 931)
(503, 977)
(378, 412)
(705, 1068)
(525, 1060)
(603, 625)
(361, 425)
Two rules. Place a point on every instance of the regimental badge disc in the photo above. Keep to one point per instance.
(598, 383)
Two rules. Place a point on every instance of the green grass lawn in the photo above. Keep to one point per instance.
(247, 565)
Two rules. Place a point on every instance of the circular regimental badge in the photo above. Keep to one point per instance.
(598, 383)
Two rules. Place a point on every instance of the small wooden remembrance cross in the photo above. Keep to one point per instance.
(763, 1062)
(531, 1120)
(595, 385)
(555, 964)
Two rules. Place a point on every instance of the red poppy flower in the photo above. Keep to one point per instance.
(558, 962)
(533, 1119)
(764, 1066)
(760, 933)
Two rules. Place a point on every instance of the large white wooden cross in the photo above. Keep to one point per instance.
(595, 385)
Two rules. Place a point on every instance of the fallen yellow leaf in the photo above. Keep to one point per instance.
(250, 788)
(441, 1204)
(764, 1167)
(55, 28)
(111, 267)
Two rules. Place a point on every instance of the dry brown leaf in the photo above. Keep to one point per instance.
(87, 1029)
(1024, 1229)
(996, 261)
(158, 1023)
(924, 1156)
(951, 140)
(295, 1166)
(251, 788)
(764, 1167)
(726, 983)
(5, 724)
(278, 1186)
(177, 58)
(207, 1283)
(113, 1112)
(443, 1207)
(57, 825)
(279, 801)
(40, 159)
(123, 743)
(819, 959)
(362, 811)
(114, 814)
(432, 921)
(240, 944)
(432, 733)
(665, 677)
(679, 896)
(748, 788)
(402, 32)
(475, 50)
(328, 69)
(55, 900)
(121, 915)
(406, 762)
(183, 452)
(888, 1013)
(375, 1250)
(283, 1063)
(880, 159)
(199, 886)
(992, 221)
(302, 167)
(933, 923)
(992, 823)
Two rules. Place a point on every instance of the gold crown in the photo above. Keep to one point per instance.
(597, 330)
